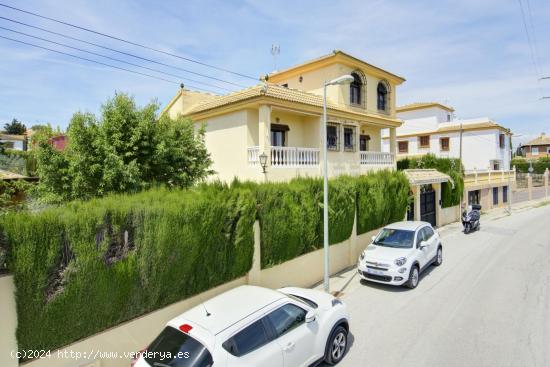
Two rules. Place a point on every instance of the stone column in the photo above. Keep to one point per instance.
(546, 174)
(393, 141)
(8, 342)
(417, 202)
(264, 132)
(438, 204)
(530, 186)
(254, 275)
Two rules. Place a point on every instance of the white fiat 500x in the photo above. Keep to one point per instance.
(253, 326)
(400, 252)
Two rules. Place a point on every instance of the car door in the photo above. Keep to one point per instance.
(422, 253)
(295, 337)
(431, 238)
(253, 346)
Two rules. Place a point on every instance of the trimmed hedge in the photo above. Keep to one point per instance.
(382, 198)
(124, 255)
(291, 216)
(450, 196)
(539, 165)
(89, 266)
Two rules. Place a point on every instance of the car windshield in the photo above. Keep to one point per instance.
(399, 238)
(173, 348)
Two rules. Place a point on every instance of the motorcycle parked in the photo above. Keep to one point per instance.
(470, 218)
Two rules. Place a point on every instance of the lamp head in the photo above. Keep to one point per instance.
(344, 79)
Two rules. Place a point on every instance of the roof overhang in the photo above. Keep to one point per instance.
(418, 177)
(336, 56)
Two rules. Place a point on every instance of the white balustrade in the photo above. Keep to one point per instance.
(376, 158)
(294, 157)
(253, 156)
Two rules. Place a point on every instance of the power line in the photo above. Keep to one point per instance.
(111, 58)
(101, 63)
(121, 52)
(530, 43)
(128, 42)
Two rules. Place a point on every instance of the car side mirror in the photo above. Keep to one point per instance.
(423, 244)
(311, 316)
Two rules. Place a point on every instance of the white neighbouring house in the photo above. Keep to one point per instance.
(433, 128)
(486, 147)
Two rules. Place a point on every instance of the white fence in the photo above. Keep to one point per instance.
(253, 156)
(294, 157)
(376, 158)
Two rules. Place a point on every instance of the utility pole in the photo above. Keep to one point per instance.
(460, 162)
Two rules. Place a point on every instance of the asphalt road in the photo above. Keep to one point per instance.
(487, 305)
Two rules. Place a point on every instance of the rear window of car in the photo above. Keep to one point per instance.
(174, 348)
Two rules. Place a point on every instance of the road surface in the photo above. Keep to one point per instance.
(487, 305)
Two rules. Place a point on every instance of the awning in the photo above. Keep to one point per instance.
(426, 176)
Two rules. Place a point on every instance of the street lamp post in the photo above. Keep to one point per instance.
(341, 80)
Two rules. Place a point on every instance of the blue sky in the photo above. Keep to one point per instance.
(471, 54)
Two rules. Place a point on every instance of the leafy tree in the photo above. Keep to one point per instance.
(126, 149)
(15, 128)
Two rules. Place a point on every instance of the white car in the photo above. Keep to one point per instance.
(400, 252)
(253, 326)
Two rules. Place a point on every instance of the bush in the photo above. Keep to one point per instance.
(451, 193)
(382, 198)
(121, 256)
(539, 165)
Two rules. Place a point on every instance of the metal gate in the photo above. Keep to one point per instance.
(427, 206)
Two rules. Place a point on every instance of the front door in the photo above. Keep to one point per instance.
(427, 204)
(364, 143)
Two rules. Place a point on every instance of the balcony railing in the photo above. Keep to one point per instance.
(376, 158)
(294, 157)
(253, 156)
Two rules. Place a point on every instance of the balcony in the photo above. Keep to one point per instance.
(376, 159)
(286, 157)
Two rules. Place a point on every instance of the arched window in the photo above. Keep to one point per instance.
(356, 90)
(382, 92)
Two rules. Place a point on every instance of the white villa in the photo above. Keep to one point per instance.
(433, 128)
(281, 118)
(486, 147)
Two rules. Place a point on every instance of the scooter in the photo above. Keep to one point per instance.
(470, 218)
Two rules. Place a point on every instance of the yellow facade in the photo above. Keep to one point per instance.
(240, 126)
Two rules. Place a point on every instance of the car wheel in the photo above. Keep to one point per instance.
(439, 257)
(414, 277)
(336, 346)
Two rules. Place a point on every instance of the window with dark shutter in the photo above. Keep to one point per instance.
(444, 142)
(424, 141)
(403, 146)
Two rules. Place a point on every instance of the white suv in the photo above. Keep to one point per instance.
(400, 252)
(253, 326)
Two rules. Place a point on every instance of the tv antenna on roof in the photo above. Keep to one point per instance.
(275, 51)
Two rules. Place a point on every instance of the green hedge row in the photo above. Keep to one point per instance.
(89, 266)
(122, 256)
(539, 165)
(291, 214)
(451, 193)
